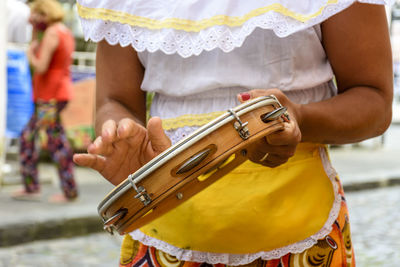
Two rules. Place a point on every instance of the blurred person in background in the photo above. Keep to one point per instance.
(18, 28)
(49, 54)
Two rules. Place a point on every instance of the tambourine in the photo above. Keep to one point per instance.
(190, 165)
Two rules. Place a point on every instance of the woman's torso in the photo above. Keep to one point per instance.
(208, 83)
(194, 90)
(56, 82)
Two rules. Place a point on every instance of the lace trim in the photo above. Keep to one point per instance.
(189, 120)
(191, 25)
(241, 259)
(187, 43)
(180, 133)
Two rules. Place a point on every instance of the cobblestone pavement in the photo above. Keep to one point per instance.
(374, 215)
(96, 250)
(375, 226)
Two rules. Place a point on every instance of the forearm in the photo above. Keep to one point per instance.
(111, 109)
(118, 78)
(361, 61)
(37, 65)
(40, 61)
(352, 116)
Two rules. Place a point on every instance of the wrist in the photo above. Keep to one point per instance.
(298, 113)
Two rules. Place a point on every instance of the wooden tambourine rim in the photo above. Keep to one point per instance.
(185, 143)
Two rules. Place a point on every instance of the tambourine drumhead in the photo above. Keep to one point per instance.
(190, 165)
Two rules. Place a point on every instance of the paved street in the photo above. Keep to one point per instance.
(96, 250)
(375, 224)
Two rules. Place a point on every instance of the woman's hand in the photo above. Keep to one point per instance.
(34, 46)
(276, 148)
(124, 147)
(32, 49)
(48, 46)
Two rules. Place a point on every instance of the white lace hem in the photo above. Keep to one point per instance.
(186, 44)
(241, 259)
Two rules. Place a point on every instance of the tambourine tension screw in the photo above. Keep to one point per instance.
(142, 195)
(240, 127)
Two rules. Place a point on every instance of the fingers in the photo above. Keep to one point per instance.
(99, 147)
(102, 145)
(275, 155)
(159, 141)
(112, 133)
(289, 135)
(245, 96)
(127, 128)
(274, 160)
(97, 163)
(262, 151)
(276, 148)
(109, 131)
(89, 160)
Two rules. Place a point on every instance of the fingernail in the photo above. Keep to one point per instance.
(245, 96)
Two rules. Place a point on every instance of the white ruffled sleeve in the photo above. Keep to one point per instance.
(189, 27)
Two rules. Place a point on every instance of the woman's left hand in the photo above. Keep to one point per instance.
(276, 148)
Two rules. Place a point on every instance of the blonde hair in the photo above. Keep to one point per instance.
(51, 8)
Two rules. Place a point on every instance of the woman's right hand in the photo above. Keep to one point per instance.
(123, 147)
(276, 148)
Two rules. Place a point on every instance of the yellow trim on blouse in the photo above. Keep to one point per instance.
(189, 120)
(191, 25)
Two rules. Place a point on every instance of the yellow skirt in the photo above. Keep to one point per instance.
(256, 208)
(333, 250)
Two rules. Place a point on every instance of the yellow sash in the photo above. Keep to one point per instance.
(253, 209)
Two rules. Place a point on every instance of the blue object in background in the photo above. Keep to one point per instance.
(79, 75)
(19, 92)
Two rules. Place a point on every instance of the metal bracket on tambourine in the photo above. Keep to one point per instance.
(240, 127)
(281, 112)
(141, 192)
(110, 222)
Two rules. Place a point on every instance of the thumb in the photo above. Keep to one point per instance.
(243, 97)
(159, 140)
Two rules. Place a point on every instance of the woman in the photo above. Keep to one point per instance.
(291, 209)
(50, 55)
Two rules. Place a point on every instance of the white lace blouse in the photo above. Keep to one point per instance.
(296, 64)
